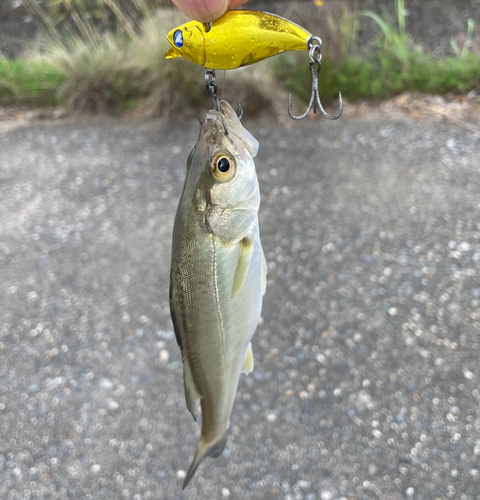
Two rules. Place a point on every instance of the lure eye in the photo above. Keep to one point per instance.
(178, 38)
(223, 167)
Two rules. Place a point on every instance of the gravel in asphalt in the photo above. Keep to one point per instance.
(366, 380)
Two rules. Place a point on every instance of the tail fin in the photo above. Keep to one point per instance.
(203, 451)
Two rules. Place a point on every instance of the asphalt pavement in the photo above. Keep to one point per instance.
(366, 380)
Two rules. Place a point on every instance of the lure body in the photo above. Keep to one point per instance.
(238, 38)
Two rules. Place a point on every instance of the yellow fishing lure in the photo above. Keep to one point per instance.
(238, 38)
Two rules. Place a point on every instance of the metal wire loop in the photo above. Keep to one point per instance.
(212, 90)
(209, 77)
(212, 87)
(315, 52)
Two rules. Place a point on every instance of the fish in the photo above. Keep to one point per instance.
(218, 274)
(238, 38)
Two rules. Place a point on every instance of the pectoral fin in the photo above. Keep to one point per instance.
(248, 360)
(244, 256)
(191, 394)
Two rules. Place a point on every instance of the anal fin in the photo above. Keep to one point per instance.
(248, 360)
(191, 394)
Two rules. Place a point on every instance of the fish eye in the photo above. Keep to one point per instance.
(223, 164)
(222, 167)
(178, 38)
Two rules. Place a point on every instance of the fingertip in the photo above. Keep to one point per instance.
(203, 11)
(236, 3)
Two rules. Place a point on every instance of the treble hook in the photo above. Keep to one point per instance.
(315, 54)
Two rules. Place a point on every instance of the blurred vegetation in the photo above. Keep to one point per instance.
(107, 56)
(387, 66)
(101, 9)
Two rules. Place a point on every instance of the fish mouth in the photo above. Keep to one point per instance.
(226, 122)
(214, 130)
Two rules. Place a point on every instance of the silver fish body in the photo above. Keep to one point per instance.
(218, 273)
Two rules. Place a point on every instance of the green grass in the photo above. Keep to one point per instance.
(26, 81)
(380, 76)
(383, 77)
